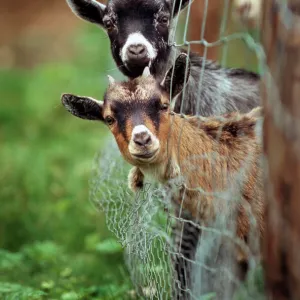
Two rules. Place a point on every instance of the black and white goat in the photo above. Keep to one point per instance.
(139, 32)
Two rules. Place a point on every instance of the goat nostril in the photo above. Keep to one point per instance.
(142, 139)
(147, 140)
(138, 142)
(137, 49)
(132, 50)
(141, 49)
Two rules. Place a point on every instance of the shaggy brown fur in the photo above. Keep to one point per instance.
(213, 161)
(209, 156)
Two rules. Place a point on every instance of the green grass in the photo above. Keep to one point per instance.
(55, 244)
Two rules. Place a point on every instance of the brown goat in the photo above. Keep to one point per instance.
(205, 156)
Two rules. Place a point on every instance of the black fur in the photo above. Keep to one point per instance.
(82, 107)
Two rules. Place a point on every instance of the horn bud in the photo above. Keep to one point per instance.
(111, 80)
(146, 72)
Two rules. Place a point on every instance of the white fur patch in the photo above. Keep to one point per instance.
(138, 39)
(99, 102)
(139, 129)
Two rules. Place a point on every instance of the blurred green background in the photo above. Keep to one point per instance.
(54, 244)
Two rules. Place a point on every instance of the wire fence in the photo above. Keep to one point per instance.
(155, 234)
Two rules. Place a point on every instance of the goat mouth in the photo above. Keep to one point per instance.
(138, 66)
(144, 156)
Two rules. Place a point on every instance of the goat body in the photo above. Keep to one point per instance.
(212, 172)
(215, 161)
(213, 90)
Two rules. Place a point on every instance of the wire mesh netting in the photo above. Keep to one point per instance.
(155, 233)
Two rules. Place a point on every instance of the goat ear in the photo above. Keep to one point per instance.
(177, 76)
(83, 107)
(88, 10)
(178, 5)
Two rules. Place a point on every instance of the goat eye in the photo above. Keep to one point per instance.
(164, 20)
(164, 106)
(109, 120)
(108, 24)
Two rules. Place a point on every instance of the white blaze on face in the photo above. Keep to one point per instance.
(140, 129)
(143, 129)
(137, 38)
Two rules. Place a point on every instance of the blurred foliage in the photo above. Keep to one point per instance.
(253, 287)
(237, 53)
(55, 244)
